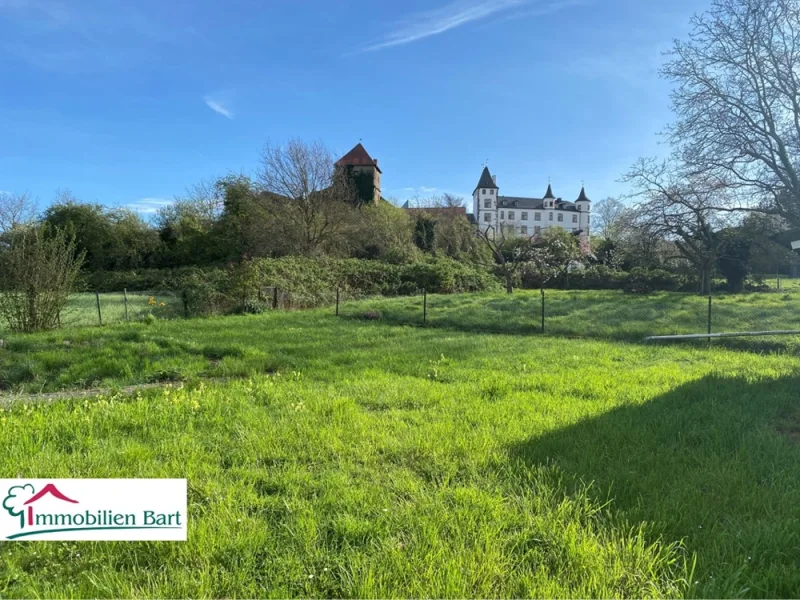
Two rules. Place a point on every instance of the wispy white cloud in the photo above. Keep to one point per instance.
(423, 189)
(462, 12)
(436, 21)
(416, 194)
(218, 107)
(149, 206)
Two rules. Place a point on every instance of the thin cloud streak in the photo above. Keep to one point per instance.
(450, 16)
(149, 206)
(218, 107)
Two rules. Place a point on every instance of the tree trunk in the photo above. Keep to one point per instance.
(705, 280)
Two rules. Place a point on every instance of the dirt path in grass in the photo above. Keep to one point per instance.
(6, 399)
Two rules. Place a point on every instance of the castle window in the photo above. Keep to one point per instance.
(502, 214)
(491, 192)
(511, 215)
(560, 217)
(523, 216)
(537, 230)
(487, 204)
(551, 216)
(483, 192)
(537, 216)
(523, 229)
(574, 218)
(487, 216)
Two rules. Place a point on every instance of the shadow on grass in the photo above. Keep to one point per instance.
(608, 315)
(713, 462)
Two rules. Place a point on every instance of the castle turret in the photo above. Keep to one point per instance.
(584, 206)
(484, 200)
(583, 203)
(549, 198)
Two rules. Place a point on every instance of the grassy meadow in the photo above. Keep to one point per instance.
(354, 457)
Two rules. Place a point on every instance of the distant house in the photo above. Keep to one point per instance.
(527, 216)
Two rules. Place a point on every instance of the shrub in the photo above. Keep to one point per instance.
(38, 271)
(302, 282)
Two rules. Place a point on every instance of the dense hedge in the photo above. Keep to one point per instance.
(306, 282)
(302, 282)
(600, 277)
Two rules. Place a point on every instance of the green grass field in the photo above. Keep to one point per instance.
(368, 458)
(81, 311)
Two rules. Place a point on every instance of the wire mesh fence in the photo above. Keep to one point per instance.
(92, 308)
(606, 314)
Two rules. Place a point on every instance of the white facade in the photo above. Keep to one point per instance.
(528, 216)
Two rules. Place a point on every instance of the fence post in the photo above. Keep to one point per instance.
(337, 301)
(424, 306)
(709, 317)
(125, 300)
(185, 304)
(275, 297)
(542, 290)
(99, 314)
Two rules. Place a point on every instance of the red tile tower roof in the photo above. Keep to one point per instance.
(358, 157)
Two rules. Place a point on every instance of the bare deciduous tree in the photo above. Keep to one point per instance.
(609, 216)
(737, 101)
(302, 191)
(509, 252)
(683, 211)
(15, 210)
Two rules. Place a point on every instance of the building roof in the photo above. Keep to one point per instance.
(358, 157)
(534, 203)
(583, 197)
(548, 195)
(486, 180)
(435, 210)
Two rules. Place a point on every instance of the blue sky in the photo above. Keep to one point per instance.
(128, 103)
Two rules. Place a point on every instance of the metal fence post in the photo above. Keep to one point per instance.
(185, 304)
(337, 301)
(542, 290)
(275, 297)
(709, 318)
(99, 314)
(125, 300)
(424, 306)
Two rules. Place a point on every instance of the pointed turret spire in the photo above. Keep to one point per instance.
(549, 195)
(486, 180)
(583, 197)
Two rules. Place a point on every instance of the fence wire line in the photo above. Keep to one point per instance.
(608, 314)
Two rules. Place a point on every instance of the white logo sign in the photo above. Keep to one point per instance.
(92, 509)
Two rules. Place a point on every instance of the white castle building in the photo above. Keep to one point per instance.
(527, 216)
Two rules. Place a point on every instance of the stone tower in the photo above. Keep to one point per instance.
(364, 172)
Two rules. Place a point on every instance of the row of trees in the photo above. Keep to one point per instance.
(733, 178)
(298, 204)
